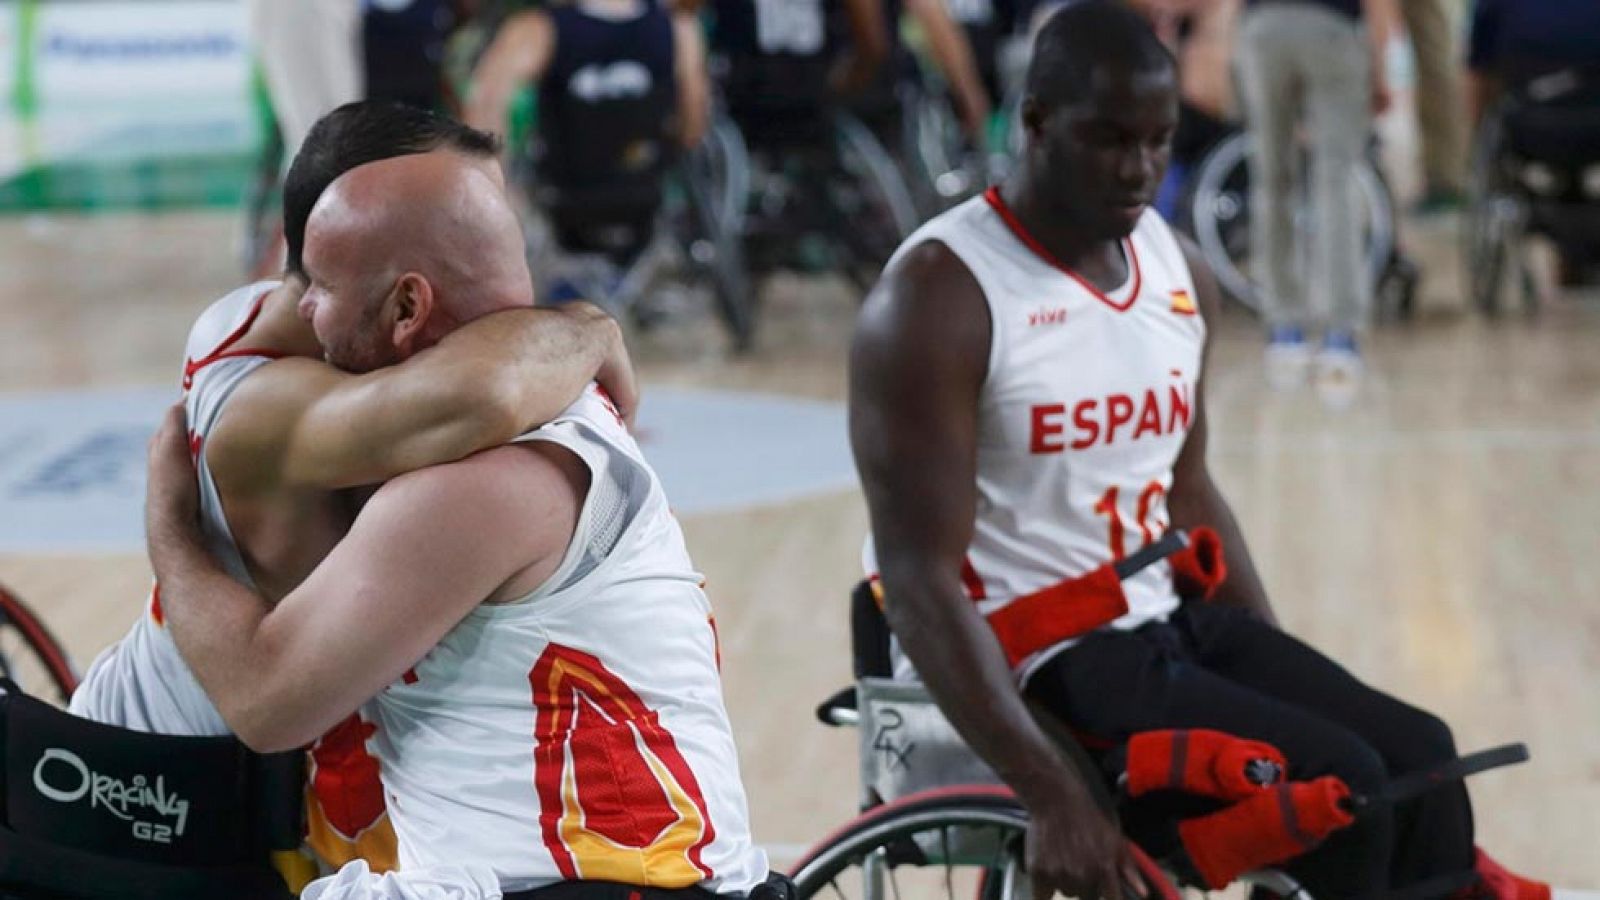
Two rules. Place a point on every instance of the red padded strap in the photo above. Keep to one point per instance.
(1199, 569)
(1264, 830)
(1203, 762)
(1059, 612)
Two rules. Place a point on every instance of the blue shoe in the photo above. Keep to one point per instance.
(1288, 357)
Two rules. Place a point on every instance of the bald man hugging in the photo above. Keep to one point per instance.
(522, 631)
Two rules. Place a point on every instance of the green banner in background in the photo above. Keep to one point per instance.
(127, 104)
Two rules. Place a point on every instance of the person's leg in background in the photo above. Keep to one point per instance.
(1440, 111)
(311, 53)
(1338, 116)
(1269, 82)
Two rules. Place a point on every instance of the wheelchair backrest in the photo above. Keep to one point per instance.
(172, 801)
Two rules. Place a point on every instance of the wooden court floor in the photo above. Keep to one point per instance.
(1442, 539)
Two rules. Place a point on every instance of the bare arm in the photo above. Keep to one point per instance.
(953, 54)
(1195, 499)
(313, 426)
(692, 79)
(869, 47)
(916, 368)
(519, 54)
(426, 549)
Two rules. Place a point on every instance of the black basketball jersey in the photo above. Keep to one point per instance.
(403, 44)
(607, 99)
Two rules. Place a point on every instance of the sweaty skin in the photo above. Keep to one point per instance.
(917, 368)
(428, 546)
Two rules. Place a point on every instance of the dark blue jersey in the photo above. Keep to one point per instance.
(403, 45)
(607, 100)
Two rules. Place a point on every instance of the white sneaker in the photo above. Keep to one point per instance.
(1288, 359)
(1339, 372)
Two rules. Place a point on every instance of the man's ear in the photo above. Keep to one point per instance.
(1032, 118)
(413, 307)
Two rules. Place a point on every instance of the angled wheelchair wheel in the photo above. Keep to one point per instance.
(957, 842)
(30, 655)
(875, 210)
(1218, 214)
(716, 178)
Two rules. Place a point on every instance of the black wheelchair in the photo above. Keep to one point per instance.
(1535, 171)
(614, 235)
(811, 187)
(937, 820)
(93, 812)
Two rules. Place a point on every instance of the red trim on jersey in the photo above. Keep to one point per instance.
(992, 196)
(971, 581)
(222, 351)
(633, 808)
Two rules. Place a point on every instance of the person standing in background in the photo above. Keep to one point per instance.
(1320, 61)
(1438, 100)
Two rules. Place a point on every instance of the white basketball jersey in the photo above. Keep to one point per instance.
(579, 731)
(141, 682)
(1088, 401)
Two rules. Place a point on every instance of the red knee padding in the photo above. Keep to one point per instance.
(1265, 829)
(1503, 884)
(1197, 761)
(1198, 569)
(1059, 612)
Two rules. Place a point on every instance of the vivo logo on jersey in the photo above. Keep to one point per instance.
(70, 780)
(1057, 316)
(616, 81)
(1106, 420)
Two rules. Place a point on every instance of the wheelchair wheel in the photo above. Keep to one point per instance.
(875, 209)
(716, 179)
(1218, 213)
(964, 841)
(1491, 227)
(30, 655)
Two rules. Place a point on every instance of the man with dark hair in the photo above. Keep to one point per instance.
(1026, 407)
(277, 431)
(362, 132)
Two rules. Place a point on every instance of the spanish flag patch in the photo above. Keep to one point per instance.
(1182, 303)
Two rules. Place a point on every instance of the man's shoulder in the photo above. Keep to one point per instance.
(523, 480)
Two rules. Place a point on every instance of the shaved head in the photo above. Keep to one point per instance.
(430, 235)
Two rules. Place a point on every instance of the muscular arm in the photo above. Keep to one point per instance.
(916, 367)
(1195, 499)
(426, 549)
(303, 423)
(519, 54)
(953, 54)
(692, 80)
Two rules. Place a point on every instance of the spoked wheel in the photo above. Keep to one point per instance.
(30, 655)
(958, 843)
(712, 178)
(1220, 220)
(875, 209)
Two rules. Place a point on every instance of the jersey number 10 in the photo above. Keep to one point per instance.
(1107, 506)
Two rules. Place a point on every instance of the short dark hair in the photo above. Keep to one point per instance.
(358, 133)
(1084, 36)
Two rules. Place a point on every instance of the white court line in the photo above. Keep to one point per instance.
(1447, 440)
